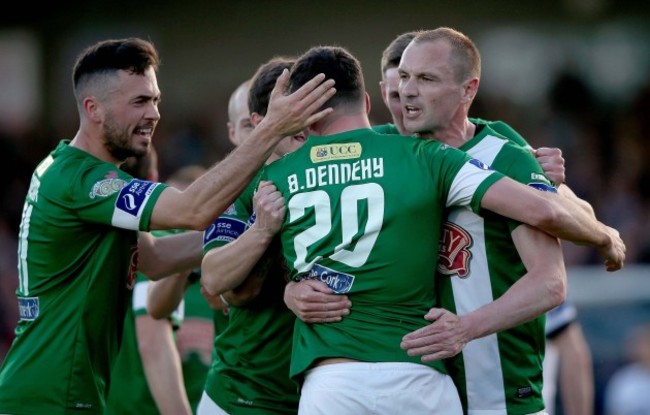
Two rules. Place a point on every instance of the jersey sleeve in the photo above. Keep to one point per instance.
(233, 222)
(467, 179)
(108, 196)
(523, 167)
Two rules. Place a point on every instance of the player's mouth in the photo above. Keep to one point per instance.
(411, 111)
(145, 132)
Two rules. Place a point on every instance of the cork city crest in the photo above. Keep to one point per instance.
(111, 184)
(454, 253)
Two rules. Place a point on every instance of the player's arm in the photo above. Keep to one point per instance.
(206, 198)
(542, 288)
(313, 301)
(164, 296)
(226, 267)
(557, 215)
(162, 365)
(171, 254)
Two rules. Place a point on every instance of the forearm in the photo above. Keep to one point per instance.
(553, 213)
(525, 300)
(162, 366)
(540, 289)
(226, 267)
(565, 191)
(160, 257)
(165, 295)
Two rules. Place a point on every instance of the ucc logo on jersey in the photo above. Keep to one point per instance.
(453, 251)
(329, 152)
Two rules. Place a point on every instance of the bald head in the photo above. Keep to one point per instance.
(239, 122)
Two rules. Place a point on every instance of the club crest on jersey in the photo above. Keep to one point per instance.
(453, 252)
(339, 282)
(327, 152)
(133, 268)
(107, 187)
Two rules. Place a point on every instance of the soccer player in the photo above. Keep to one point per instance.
(79, 246)
(490, 270)
(351, 196)
(163, 362)
(242, 265)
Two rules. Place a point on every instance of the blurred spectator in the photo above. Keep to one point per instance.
(628, 390)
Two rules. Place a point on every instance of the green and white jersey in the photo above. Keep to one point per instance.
(498, 126)
(364, 214)
(500, 373)
(504, 129)
(77, 257)
(250, 369)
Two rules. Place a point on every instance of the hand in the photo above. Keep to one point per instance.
(614, 251)
(552, 163)
(269, 208)
(444, 337)
(314, 302)
(288, 114)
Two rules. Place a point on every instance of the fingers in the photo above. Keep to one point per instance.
(269, 207)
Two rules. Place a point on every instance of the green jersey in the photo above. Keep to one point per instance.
(77, 258)
(250, 368)
(192, 323)
(500, 373)
(194, 339)
(498, 126)
(355, 201)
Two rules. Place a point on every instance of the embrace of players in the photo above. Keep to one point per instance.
(351, 268)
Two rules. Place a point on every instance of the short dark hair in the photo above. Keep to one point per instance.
(132, 54)
(337, 64)
(263, 82)
(393, 53)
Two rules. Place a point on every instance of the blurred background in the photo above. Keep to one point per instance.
(573, 74)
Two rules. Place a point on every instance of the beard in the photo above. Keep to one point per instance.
(118, 143)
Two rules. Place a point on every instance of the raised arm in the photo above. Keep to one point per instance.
(557, 215)
(205, 199)
(227, 267)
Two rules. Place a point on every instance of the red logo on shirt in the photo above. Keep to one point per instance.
(453, 251)
(133, 268)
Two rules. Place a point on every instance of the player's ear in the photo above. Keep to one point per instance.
(367, 98)
(256, 118)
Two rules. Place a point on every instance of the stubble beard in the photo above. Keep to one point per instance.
(118, 143)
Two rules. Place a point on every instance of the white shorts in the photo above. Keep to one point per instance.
(357, 388)
(208, 407)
